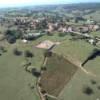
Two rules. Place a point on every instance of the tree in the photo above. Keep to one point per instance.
(43, 68)
(43, 92)
(0, 54)
(93, 81)
(2, 49)
(87, 90)
(17, 52)
(98, 87)
(12, 35)
(29, 54)
(11, 39)
(36, 73)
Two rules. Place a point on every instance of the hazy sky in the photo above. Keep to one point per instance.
(13, 3)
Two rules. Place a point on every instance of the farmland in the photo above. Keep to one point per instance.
(53, 82)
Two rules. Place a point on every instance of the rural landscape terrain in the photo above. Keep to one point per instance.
(50, 52)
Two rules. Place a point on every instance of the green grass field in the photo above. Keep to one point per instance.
(14, 80)
(74, 89)
(79, 50)
(94, 15)
(96, 33)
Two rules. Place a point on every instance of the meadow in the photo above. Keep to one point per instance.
(15, 81)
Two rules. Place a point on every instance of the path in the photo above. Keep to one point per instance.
(38, 81)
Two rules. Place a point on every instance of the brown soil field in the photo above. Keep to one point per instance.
(58, 74)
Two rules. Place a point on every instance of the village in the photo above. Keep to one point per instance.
(29, 28)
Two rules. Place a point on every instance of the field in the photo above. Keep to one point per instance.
(79, 50)
(59, 72)
(14, 80)
(74, 89)
(96, 33)
(94, 15)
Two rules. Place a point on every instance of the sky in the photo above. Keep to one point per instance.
(16, 3)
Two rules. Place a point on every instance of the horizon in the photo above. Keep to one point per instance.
(22, 3)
